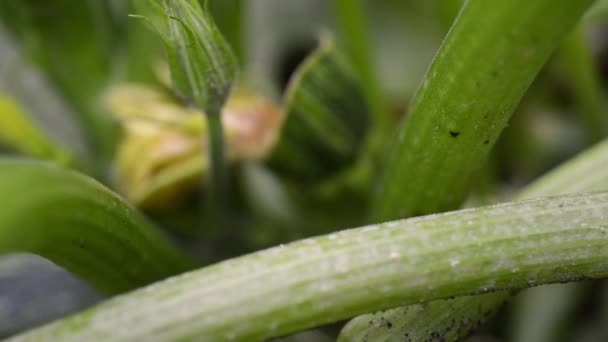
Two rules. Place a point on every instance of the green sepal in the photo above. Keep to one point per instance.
(202, 63)
(79, 224)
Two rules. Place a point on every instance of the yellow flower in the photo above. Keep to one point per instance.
(163, 154)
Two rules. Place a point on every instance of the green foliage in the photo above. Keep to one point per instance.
(74, 41)
(355, 33)
(21, 133)
(275, 174)
(579, 70)
(203, 66)
(79, 224)
(464, 102)
(324, 131)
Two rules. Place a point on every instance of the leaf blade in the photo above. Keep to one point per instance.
(81, 225)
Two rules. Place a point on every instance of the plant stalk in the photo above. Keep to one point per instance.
(330, 278)
(487, 62)
(218, 185)
(584, 173)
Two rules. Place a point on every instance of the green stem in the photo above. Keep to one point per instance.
(329, 278)
(218, 171)
(356, 37)
(582, 174)
(488, 60)
(485, 65)
(80, 225)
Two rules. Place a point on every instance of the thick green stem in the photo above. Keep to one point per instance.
(486, 63)
(582, 174)
(329, 278)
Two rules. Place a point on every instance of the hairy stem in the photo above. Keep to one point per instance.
(420, 322)
(485, 65)
(329, 278)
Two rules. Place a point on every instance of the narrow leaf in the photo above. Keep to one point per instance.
(21, 133)
(578, 68)
(456, 318)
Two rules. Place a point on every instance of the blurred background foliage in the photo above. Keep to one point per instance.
(59, 58)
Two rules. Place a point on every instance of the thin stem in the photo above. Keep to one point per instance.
(218, 185)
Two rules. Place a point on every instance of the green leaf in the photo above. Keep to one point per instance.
(447, 12)
(20, 132)
(77, 223)
(329, 278)
(326, 117)
(74, 42)
(584, 173)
